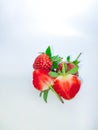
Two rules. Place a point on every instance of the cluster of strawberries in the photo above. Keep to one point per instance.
(51, 73)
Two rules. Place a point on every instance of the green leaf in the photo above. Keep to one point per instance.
(48, 51)
(73, 70)
(56, 58)
(53, 74)
(45, 95)
(76, 62)
(55, 65)
(68, 58)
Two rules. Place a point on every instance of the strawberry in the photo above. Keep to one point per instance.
(65, 83)
(43, 82)
(42, 61)
(41, 79)
(69, 67)
(67, 86)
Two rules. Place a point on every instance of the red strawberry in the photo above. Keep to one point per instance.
(43, 61)
(69, 67)
(67, 86)
(41, 79)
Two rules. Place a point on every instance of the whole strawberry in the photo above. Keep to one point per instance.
(70, 65)
(43, 61)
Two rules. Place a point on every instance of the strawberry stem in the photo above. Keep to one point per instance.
(78, 56)
(64, 68)
(61, 100)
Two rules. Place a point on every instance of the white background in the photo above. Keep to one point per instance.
(28, 27)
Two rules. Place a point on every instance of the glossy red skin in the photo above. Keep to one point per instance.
(69, 67)
(42, 61)
(67, 86)
(41, 79)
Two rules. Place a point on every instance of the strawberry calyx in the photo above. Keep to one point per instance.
(56, 59)
(45, 94)
(69, 64)
(76, 61)
(64, 71)
(48, 51)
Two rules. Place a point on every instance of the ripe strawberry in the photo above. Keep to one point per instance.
(41, 79)
(69, 67)
(67, 86)
(43, 61)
